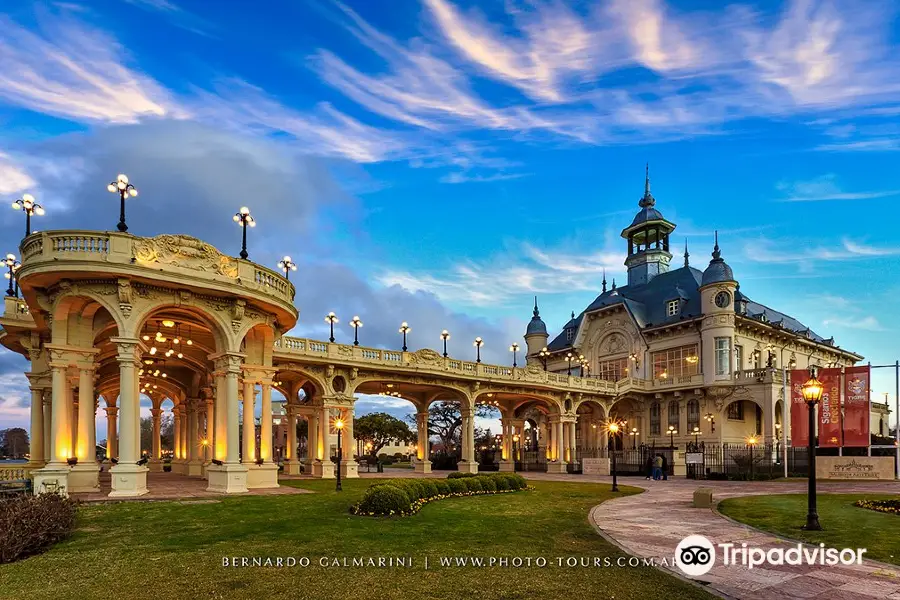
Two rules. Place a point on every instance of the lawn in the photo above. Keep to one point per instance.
(163, 550)
(843, 525)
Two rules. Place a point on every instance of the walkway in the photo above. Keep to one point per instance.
(661, 517)
(171, 486)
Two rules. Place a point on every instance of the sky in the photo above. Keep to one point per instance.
(441, 162)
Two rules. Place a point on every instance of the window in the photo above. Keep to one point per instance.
(673, 414)
(759, 419)
(672, 308)
(723, 356)
(676, 362)
(735, 411)
(738, 358)
(654, 419)
(570, 334)
(693, 415)
(613, 370)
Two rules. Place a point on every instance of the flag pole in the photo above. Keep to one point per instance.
(784, 423)
(897, 413)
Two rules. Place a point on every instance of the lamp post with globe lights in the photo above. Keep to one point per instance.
(544, 354)
(287, 265)
(752, 441)
(339, 425)
(27, 205)
(514, 348)
(13, 265)
(331, 319)
(356, 323)
(445, 335)
(244, 220)
(672, 432)
(812, 393)
(614, 427)
(478, 343)
(124, 189)
(404, 329)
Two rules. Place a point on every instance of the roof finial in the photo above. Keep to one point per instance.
(604, 280)
(648, 199)
(687, 254)
(536, 312)
(573, 314)
(716, 254)
(614, 283)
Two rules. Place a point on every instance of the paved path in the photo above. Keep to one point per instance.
(652, 524)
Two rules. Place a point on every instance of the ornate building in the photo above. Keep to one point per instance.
(688, 349)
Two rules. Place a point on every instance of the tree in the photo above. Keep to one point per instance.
(166, 433)
(445, 421)
(378, 429)
(13, 442)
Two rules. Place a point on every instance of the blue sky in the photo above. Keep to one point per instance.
(440, 162)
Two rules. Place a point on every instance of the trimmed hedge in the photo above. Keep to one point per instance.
(31, 524)
(405, 497)
(460, 475)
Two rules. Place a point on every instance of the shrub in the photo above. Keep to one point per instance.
(442, 486)
(473, 484)
(521, 484)
(459, 475)
(500, 481)
(384, 499)
(385, 459)
(31, 524)
(487, 483)
(457, 485)
(399, 456)
(430, 488)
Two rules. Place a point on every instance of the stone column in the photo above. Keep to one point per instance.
(176, 439)
(221, 421)
(194, 449)
(112, 436)
(468, 464)
(349, 467)
(423, 452)
(210, 430)
(229, 477)
(312, 442)
(292, 465)
(557, 444)
(248, 451)
(265, 423)
(573, 446)
(323, 467)
(48, 420)
(85, 476)
(128, 478)
(61, 431)
(155, 449)
(36, 445)
(507, 461)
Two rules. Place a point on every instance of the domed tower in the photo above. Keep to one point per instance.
(536, 336)
(648, 240)
(717, 301)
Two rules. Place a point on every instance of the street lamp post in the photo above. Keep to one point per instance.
(356, 323)
(339, 425)
(13, 265)
(478, 344)
(244, 220)
(634, 434)
(27, 205)
(124, 189)
(569, 358)
(712, 422)
(543, 354)
(614, 428)
(404, 329)
(752, 441)
(696, 434)
(331, 319)
(515, 448)
(287, 265)
(445, 335)
(812, 393)
(514, 348)
(672, 432)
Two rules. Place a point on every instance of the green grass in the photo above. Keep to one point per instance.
(163, 550)
(843, 525)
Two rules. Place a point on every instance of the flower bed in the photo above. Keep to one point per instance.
(404, 497)
(885, 506)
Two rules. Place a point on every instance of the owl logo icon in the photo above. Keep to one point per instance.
(856, 386)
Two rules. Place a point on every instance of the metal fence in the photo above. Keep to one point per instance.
(742, 461)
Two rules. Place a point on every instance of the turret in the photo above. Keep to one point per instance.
(536, 336)
(648, 240)
(717, 301)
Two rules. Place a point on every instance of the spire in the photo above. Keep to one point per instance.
(614, 283)
(536, 313)
(648, 199)
(687, 254)
(573, 314)
(715, 253)
(604, 281)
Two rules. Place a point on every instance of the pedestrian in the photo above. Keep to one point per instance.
(664, 468)
(648, 467)
(657, 467)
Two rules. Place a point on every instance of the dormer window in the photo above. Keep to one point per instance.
(570, 334)
(764, 318)
(672, 307)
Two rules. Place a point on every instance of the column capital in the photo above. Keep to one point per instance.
(128, 349)
(111, 411)
(228, 362)
(258, 374)
(155, 412)
(69, 355)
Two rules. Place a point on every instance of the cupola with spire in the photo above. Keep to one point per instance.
(718, 270)
(648, 240)
(536, 336)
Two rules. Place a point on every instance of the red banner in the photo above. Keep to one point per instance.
(799, 411)
(830, 408)
(856, 406)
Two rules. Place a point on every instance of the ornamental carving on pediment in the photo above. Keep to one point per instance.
(426, 356)
(533, 370)
(186, 252)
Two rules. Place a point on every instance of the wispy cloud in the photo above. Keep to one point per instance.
(795, 251)
(13, 176)
(75, 72)
(867, 323)
(824, 188)
(524, 271)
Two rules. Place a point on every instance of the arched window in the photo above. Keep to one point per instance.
(654, 419)
(673, 414)
(693, 415)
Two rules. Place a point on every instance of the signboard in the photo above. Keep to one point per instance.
(860, 468)
(856, 406)
(595, 466)
(693, 458)
(799, 410)
(830, 408)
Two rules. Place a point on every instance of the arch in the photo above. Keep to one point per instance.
(301, 375)
(257, 343)
(210, 320)
(86, 303)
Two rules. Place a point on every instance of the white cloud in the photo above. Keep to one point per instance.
(868, 323)
(13, 176)
(78, 73)
(823, 188)
(797, 252)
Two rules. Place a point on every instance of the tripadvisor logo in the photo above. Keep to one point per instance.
(695, 555)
